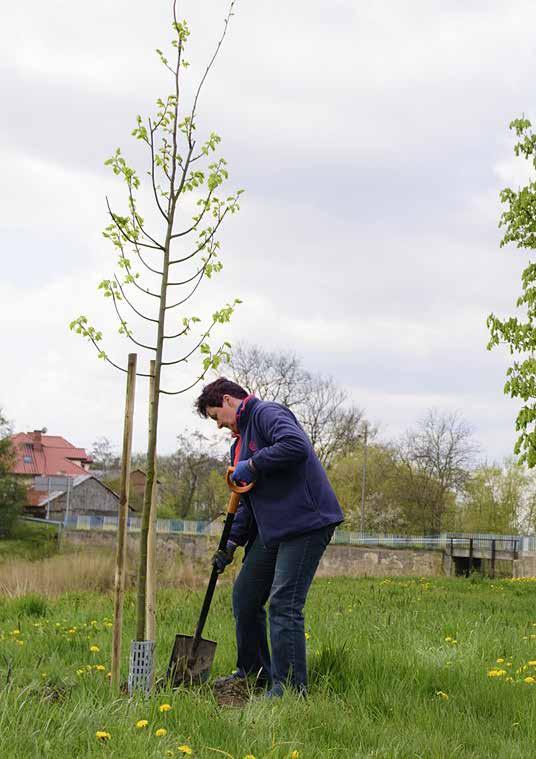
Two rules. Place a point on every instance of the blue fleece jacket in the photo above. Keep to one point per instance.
(292, 494)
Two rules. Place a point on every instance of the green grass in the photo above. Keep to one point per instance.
(380, 653)
(29, 540)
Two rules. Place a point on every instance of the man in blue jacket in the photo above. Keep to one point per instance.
(285, 523)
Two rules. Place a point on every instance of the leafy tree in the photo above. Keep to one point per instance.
(184, 173)
(12, 492)
(383, 494)
(319, 404)
(519, 333)
(493, 499)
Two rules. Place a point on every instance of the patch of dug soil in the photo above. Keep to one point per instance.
(235, 694)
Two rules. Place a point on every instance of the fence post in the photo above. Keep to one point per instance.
(121, 538)
(492, 572)
(470, 555)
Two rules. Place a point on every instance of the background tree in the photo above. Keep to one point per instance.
(193, 483)
(493, 499)
(435, 460)
(519, 334)
(383, 495)
(103, 455)
(322, 407)
(183, 173)
(12, 492)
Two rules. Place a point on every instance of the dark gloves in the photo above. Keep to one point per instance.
(244, 472)
(222, 558)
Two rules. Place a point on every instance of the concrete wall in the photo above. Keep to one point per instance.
(353, 561)
(90, 498)
(525, 566)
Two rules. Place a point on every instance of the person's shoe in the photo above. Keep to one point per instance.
(237, 677)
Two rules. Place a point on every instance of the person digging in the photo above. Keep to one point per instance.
(285, 524)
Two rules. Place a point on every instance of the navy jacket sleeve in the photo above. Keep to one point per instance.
(241, 525)
(287, 442)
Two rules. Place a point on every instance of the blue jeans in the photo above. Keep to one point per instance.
(281, 574)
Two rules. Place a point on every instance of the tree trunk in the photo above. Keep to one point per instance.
(150, 602)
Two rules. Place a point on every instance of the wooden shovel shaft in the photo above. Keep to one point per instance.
(234, 500)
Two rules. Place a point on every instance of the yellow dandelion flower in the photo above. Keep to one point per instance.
(508, 679)
(100, 667)
(249, 756)
(19, 642)
(108, 674)
(94, 649)
(307, 636)
(184, 749)
(15, 632)
(496, 673)
(141, 723)
(448, 639)
(442, 695)
(161, 732)
(532, 663)
(530, 680)
(108, 624)
(295, 755)
(499, 661)
(165, 708)
(102, 735)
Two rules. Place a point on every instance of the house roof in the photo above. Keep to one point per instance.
(43, 499)
(47, 455)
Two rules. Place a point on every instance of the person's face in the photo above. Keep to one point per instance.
(225, 415)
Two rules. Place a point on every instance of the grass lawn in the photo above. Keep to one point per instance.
(399, 668)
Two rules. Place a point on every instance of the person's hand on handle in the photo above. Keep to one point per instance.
(244, 472)
(222, 558)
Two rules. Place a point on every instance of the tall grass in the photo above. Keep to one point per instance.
(398, 668)
(91, 570)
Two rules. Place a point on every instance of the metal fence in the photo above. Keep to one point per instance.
(439, 542)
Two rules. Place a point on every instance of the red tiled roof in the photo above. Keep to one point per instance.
(47, 455)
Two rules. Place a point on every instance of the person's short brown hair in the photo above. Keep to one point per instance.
(213, 393)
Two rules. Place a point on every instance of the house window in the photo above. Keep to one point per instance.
(27, 459)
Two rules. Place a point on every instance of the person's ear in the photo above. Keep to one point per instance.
(225, 400)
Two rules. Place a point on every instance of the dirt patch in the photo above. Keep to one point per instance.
(235, 694)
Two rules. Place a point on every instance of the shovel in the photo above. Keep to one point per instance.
(192, 657)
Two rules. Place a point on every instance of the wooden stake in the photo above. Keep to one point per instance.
(150, 598)
(121, 542)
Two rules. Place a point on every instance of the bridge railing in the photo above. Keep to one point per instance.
(442, 541)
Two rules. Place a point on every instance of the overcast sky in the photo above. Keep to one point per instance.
(372, 141)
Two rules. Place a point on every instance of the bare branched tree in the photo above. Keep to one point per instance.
(321, 407)
(437, 457)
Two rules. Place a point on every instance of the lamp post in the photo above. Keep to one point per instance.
(364, 478)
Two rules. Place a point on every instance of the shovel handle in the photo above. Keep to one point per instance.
(232, 506)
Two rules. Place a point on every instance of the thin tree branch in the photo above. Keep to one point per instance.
(211, 62)
(124, 324)
(179, 334)
(187, 356)
(145, 291)
(124, 234)
(191, 293)
(155, 271)
(136, 220)
(153, 177)
(142, 316)
(210, 237)
(191, 279)
(185, 389)
(116, 366)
